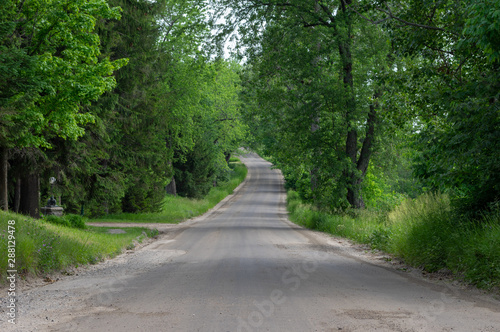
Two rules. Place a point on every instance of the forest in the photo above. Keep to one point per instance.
(365, 103)
(361, 104)
(120, 101)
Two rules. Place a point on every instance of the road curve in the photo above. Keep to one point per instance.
(246, 268)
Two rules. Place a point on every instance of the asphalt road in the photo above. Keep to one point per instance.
(246, 268)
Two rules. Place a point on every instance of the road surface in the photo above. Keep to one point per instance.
(245, 267)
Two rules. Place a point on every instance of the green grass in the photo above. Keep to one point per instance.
(43, 247)
(176, 209)
(424, 232)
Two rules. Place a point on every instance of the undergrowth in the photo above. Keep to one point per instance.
(425, 232)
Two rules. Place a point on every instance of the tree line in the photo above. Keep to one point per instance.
(361, 102)
(119, 100)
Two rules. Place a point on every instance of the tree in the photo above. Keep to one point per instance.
(452, 83)
(50, 54)
(324, 99)
(216, 129)
(171, 105)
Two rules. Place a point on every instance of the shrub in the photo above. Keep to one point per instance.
(424, 230)
(57, 220)
(480, 261)
(76, 220)
(69, 220)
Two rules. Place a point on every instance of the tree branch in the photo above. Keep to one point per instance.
(423, 26)
(367, 19)
(390, 15)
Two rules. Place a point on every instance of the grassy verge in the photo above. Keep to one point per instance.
(423, 232)
(43, 247)
(176, 209)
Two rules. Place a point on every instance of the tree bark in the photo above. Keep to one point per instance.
(354, 191)
(354, 195)
(171, 187)
(30, 195)
(17, 195)
(351, 146)
(366, 150)
(4, 193)
(314, 171)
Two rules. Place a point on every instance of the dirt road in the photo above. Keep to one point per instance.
(246, 268)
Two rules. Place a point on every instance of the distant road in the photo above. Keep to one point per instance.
(246, 268)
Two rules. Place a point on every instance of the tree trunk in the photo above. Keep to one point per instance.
(314, 172)
(4, 193)
(30, 195)
(354, 191)
(171, 188)
(17, 195)
(351, 143)
(366, 150)
(354, 195)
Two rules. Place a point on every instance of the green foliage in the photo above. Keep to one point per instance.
(429, 71)
(170, 106)
(52, 53)
(446, 87)
(177, 208)
(76, 220)
(69, 220)
(482, 28)
(377, 192)
(425, 228)
(481, 261)
(216, 129)
(312, 86)
(56, 220)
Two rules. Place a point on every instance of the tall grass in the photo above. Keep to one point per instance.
(42, 247)
(424, 232)
(176, 209)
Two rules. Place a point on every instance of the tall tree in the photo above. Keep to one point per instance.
(329, 50)
(451, 81)
(52, 71)
(216, 128)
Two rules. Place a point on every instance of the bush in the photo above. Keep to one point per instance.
(69, 220)
(480, 261)
(57, 220)
(293, 200)
(425, 229)
(76, 220)
(380, 238)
